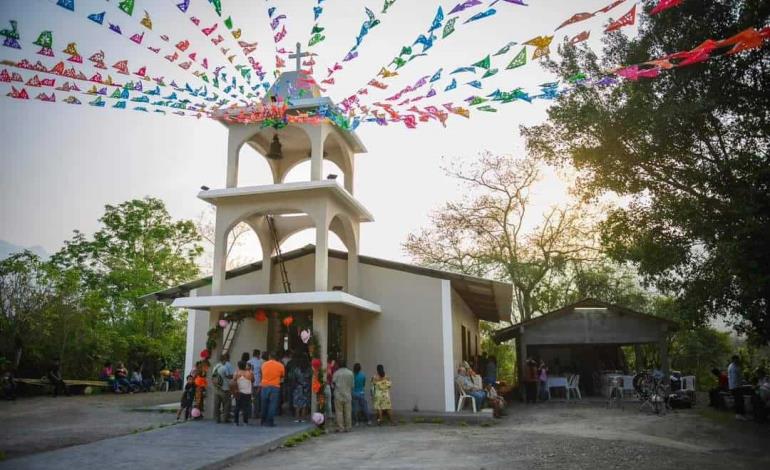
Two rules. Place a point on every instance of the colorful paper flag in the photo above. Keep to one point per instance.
(519, 60)
(127, 6)
(626, 20)
(97, 17)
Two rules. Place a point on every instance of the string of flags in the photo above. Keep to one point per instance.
(174, 51)
(225, 85)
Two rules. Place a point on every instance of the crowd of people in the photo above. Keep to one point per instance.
(265, 384)
(121, 381)
(731, 382)
(481, 389)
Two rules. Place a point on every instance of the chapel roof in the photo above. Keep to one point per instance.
(490, 300)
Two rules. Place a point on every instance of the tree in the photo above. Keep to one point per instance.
(235, 240)
(690, 150)
(139, 250)
(24, 294)
(486, 233)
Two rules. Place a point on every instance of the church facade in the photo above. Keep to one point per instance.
(419, 323)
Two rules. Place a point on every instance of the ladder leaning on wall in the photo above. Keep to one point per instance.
(232, 328)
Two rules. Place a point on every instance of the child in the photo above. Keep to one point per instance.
(496, 401)
(188, 395)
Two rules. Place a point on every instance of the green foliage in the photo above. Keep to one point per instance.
(492, 230)
(690, 151)
(504, 353)
(84, 304)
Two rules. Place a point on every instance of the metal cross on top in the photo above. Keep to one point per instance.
(299, 55)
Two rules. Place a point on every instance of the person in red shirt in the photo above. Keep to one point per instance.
(715, 397)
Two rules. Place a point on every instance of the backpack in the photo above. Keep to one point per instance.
(219, 381)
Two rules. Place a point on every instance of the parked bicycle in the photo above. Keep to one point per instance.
(651, 391)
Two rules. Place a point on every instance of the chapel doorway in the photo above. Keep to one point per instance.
(287, 338)
(337, 345)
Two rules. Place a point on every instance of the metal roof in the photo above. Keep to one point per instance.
(489, 300)
(510, 332)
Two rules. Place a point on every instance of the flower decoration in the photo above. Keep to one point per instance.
(288, 321)
(260, 316)
(222, 323)
(205, 354)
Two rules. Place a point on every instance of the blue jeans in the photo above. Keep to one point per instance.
(359, 407)
(478, 397)
(269, 399)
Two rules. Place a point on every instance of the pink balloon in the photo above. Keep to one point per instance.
(318, 419)
(223, 323)
(196, 413)
(305, 336)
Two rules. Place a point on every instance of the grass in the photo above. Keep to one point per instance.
(300, 438)
(722, 417)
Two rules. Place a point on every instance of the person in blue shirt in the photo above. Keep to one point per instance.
(735, 384)
(256, 365)
(360, 409)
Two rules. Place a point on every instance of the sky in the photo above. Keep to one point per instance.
(60, 164)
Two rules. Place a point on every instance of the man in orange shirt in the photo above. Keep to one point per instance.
(272, 374)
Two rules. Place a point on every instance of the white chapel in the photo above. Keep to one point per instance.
(419, 323)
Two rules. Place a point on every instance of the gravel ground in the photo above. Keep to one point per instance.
(574, 436)
(37, 424)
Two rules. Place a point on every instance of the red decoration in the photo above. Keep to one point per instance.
(626, 20)
(205, 354)
(664, 5)
(288, 321)
(260, 316)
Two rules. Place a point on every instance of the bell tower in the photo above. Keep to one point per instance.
(279, 210)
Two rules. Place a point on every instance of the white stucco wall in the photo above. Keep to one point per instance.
(408, 337)
(462, 316)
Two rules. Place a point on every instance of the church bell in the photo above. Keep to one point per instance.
(275, 152)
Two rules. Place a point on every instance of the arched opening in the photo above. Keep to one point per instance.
(307, 237)
(301, 172)
(243, 246)
(254, 170)
(294, 147)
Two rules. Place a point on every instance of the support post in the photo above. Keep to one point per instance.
(353, 270)
(522, 344)
(321, 332)
(350, 173)
(317, 134)
(267, 266)
(208, 402)
(664, 366)
(233, 160)
(638, 360)
(220, 258)
(322, 254)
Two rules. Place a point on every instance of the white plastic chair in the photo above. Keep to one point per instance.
(573, 383)
(688, 383)
(461, 401)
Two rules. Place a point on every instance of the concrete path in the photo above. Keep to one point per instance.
(192, 445)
